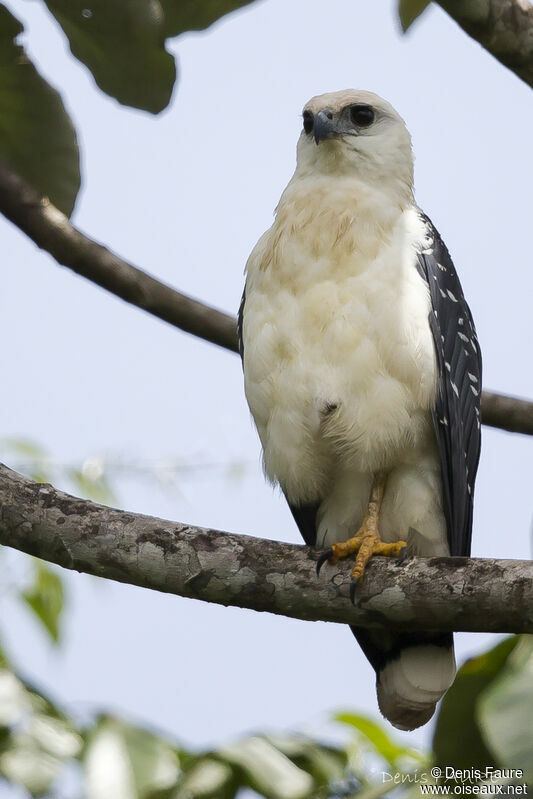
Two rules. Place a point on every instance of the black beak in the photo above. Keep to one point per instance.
(325, 125)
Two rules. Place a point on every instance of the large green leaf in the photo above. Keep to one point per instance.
(409, 10)
(326, 764)
(505, 711)
(36, 737)
(458, 741)
(126, 762)
(378, 738)
(207, 778)
(186, 15)
(268, 771)
(122, 42)
(37, 138)
(45, 597)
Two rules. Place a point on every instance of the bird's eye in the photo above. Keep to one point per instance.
(362, 115)
(308, 121)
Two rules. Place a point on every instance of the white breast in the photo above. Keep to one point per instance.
(339, 359)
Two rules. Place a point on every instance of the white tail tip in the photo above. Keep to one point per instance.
(410, 686)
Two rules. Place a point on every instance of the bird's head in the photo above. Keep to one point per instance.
(357, 133)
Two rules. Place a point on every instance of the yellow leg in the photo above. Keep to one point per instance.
(366, 542)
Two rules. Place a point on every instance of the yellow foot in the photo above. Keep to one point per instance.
(366, 543)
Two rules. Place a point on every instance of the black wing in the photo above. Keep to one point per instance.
(240, 316)
(456, 415)
(305, 518)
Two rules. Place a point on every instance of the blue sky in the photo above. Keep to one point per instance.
(185, 196)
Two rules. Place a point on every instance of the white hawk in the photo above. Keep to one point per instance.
(363, 372)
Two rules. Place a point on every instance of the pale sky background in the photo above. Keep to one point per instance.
(185, 196)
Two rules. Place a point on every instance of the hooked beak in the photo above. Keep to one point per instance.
(325, 126)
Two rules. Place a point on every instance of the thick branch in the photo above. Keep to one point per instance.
(424, 593)
(503, 27)
(53, 232)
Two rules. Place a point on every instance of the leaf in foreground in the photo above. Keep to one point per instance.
(505, 711)
(37, 138)
(125, 762)
(458, 741)
(188, 15)
(45, 597)
(267, 770)
(122, 42)
(394, 753)
(409, 10)
(36, 738)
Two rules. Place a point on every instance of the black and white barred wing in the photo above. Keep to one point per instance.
(456, 415)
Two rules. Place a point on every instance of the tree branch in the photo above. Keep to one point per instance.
(508, 413)
(52, 231)
(503, 27)
(423, 593)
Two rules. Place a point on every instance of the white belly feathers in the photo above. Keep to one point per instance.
(339, 358)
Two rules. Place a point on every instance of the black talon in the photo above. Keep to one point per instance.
(326, 555)
(353, 586)
(402, 556)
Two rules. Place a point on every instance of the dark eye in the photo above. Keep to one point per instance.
(362, 115)
(308, 121)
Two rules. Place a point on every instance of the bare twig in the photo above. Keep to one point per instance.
(423, 593)
(503, 27)
(53, 232)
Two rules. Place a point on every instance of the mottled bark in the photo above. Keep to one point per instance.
(423, 593)
(52, 231)
(503, 27)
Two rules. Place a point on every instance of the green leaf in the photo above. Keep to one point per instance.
(208, 778)
(14, 699)
(26, 764)
(122, 42)
(324, 763)
(187, 15)
(267, 770)
(505, 710)
(458, 741)
(46, 598)
(91, 484)
(23, 446)
(379, 739)
(37, 138)
(409, 10)
(36, 737)
(126, 762)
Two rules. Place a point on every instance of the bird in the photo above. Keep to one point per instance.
(362, 372)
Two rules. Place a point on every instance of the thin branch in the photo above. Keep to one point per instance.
(52, 231)
(423, 593)
(508, 413)
(503, 27)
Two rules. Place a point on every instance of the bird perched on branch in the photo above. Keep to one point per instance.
(363, 372)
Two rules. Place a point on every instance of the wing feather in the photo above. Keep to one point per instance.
(456, 416)
(240, 319)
